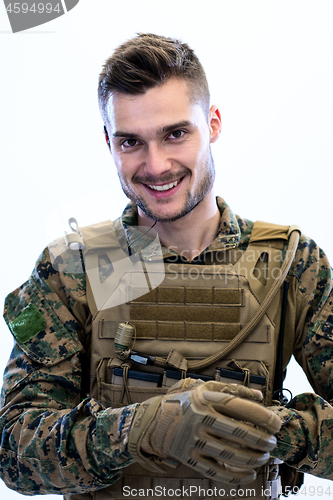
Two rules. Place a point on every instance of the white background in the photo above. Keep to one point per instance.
(269, 64)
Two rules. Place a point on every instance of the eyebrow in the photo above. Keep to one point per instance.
(163, 130)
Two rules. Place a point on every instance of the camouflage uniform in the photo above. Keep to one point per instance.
(55, 439)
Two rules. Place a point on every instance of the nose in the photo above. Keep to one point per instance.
(156, 160)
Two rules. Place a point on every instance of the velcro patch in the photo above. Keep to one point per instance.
(28, 324)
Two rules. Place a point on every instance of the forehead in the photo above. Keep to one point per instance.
(162, 105)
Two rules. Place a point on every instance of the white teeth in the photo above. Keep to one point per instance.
(165, 187)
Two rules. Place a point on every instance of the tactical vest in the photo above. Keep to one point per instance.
(182, 314)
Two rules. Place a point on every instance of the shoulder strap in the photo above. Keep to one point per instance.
(103, 255)
(265, 231)
(101, 235)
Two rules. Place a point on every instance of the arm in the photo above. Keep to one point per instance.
(53, 438)
(307, 421)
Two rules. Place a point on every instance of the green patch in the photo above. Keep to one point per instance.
(28, 324)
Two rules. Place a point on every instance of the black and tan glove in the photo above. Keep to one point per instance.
(218, 429)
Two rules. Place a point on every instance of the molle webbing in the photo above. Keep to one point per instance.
(180, 314)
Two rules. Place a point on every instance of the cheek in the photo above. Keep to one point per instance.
(196, 153)
(189, 152)
(124, 165)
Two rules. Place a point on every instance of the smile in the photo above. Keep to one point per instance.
(164, 187)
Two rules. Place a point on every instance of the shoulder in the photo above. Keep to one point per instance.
(310, 259)
(310, 265)
(313, 272)
(41, 312)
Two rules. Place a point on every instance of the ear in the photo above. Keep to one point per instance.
(215, 123)
(107, 138)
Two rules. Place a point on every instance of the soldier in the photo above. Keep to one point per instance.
(149, 351)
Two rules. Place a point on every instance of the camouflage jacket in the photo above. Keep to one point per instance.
(54, 439)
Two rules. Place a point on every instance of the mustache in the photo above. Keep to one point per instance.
(161, 179)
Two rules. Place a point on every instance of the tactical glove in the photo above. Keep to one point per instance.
(218, 429)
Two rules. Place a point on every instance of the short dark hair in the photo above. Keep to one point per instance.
(147, 61)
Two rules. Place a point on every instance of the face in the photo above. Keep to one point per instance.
(160, 143)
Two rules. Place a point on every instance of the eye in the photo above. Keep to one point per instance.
(129, 143)
(176, 134)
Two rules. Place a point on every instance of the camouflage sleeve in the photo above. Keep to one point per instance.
(53, 438)
(306, 436)
(314, 316)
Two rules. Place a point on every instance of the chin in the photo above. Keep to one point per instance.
(166, 217)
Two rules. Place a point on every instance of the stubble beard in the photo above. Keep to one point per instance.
(191, 201)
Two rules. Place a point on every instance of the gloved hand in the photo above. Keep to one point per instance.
(185, 385)
(218, 429)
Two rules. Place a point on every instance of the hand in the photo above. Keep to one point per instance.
(218, 429)
(185, 384)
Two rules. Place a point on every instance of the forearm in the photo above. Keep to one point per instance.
(50, 450)
(52, 441)
(306, 435)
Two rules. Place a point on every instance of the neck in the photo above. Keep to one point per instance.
(190, 234)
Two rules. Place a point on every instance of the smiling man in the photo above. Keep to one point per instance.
(165, 164)
(155, 369)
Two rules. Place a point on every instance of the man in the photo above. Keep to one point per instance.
(104, 331)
